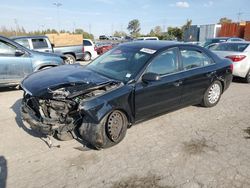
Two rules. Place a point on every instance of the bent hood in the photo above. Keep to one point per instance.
(42, 82)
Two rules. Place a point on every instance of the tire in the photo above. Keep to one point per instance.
(70, 59)
(212, 95)
(87, 56)
(247, 78)
(100, 135)
(66, 136)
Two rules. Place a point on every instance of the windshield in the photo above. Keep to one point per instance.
(233, 47)
(121, 63)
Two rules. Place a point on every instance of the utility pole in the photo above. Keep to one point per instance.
(58, 18)
(239, 14)
(16, 23)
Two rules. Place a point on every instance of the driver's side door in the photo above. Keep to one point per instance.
(163, 95)
(14, 65)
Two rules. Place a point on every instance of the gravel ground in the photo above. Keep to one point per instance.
(191, 147)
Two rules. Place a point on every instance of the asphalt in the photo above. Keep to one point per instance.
(192, 147)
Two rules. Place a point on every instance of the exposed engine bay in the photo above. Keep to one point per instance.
(58, 111)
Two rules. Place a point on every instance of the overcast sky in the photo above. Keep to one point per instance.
(105, 16)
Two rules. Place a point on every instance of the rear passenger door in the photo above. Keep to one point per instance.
(198, 72)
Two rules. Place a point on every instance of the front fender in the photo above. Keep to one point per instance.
(97, 108)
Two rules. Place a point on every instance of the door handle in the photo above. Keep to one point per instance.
(211, 74)
(178, 83)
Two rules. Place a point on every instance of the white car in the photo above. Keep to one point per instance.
(89, 50)
(239, 53)
(147, 38)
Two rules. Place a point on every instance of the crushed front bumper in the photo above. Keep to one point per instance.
(36, 123)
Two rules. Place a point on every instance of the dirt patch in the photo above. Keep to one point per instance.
(197, 146)
(149, 181)
(85, 159)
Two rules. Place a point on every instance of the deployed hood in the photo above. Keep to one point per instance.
(43, 83)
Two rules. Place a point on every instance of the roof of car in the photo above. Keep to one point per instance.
(156, 45)
(29, 37)
(236, 42)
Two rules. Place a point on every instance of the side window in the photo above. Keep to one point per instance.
(194, 59)
(7, 49)
(39, 43)
(165, 63)
(87, 43)
(23, 42)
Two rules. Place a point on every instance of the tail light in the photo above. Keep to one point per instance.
(83, 50)
(236, 58)
(95, 48)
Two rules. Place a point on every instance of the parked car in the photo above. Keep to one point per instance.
(89, 50)
(147, 38)
(16, 62)
(103, 47)
(221, 39)
(130, 83)
(43, 44)
(239, 53)
(104, 37)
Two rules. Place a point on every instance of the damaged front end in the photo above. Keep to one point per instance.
(58, 110)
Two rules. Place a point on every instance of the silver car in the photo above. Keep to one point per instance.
(239, 53)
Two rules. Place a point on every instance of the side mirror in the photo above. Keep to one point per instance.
(149, 77)
(19, 52)
(52, 45)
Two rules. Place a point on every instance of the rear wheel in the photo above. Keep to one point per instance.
(247, 78)
(213, 94)
(87, 56)
(70, 59)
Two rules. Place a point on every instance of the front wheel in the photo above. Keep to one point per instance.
(212, 95)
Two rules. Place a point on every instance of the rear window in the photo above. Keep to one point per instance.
(39, 43)
(87, 43)
(233, 47)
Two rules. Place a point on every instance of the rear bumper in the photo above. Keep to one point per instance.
(240, 69)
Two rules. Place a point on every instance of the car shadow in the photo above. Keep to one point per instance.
(3, 171)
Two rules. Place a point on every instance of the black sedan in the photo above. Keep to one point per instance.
(131, 83)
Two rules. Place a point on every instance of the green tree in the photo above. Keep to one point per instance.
(119, 34)
(134, 27)
(225, 20)
(157, 30)
(175, 32)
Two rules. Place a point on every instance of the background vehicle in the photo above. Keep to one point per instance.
(147, 38)
(103, 47)
(104, 37)
(89, 50)
(128, 84)
(210, 41)
(16, 62)
(42, 44)
(239, 53)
